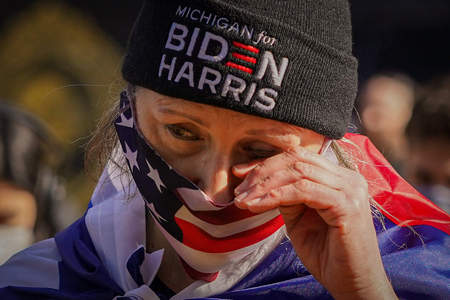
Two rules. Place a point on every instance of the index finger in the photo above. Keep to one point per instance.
(284, 160)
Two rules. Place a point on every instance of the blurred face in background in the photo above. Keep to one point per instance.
(17, 206)
(18, 213)
(429, 162)
(387, 106)
(428, 169)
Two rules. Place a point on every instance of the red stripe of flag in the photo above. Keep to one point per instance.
(239, 67)
(244, 57)
(229, 214)
(198, 239)
(246, 47)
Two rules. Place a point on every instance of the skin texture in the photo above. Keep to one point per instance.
(262, 164)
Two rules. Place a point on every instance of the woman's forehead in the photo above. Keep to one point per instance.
(209, 115)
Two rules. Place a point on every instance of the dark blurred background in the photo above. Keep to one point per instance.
(61, 60)
(411, 36)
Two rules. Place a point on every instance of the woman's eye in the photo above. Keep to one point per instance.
(263, 153)
(182, 133)
(257, 153)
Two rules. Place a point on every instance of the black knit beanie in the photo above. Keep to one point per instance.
(287, 60)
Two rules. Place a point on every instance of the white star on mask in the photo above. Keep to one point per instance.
(131, 157)
(155, 213)
(154, 175)
(125, 122)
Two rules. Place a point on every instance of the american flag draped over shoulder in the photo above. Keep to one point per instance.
(101, 256)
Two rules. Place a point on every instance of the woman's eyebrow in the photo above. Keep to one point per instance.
(275, 133)
(269, 131)
(183, 114)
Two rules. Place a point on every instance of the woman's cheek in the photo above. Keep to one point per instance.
(312, 141)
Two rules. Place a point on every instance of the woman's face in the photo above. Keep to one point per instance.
(204, 142)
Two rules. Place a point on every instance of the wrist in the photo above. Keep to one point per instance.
(378, 291)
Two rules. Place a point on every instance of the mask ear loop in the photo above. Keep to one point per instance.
(326, 144)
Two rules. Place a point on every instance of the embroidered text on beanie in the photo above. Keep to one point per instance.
(287, 60)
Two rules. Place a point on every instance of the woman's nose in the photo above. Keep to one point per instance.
(217, 180)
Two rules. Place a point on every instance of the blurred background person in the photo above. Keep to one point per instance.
(59, 63)
(386, 102)
(428, 132)
(32, 199)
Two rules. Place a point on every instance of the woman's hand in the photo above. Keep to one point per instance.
(327, 214)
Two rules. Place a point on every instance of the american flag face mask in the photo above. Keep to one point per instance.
(205, 235)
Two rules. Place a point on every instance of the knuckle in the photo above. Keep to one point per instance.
(291, 151)
(303, 169)
(294, 171)
(292, 154)
(265, 182)
(356, 184)
(258, 169)
(256, 173)
(275, 193)
(341, 205)
(356, 203)
(302, 185)
(256, 190)
(287, 158)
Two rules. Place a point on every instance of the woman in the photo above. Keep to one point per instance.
(226, 129)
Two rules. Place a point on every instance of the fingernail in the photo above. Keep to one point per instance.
(253, 201)
(243, 167)
(240, 197)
